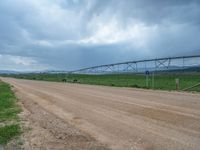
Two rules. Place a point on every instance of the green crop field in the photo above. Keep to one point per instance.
(9, 121)
(161, 81)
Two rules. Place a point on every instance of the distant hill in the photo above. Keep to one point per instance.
(8, 72)
(28, 72)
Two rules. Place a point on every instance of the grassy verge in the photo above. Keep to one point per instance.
(161, 81)
(9, 121)
(7, 133)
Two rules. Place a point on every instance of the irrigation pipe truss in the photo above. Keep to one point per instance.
(157, 64)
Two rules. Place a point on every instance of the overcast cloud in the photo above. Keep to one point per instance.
(70, 34)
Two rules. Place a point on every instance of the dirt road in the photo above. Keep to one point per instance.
(122, 118)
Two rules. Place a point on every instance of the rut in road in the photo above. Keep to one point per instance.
(122, 118)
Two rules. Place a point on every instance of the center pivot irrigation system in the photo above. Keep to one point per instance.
(147, 65)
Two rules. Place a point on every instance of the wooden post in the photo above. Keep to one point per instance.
(147, 80)
(153, 80)
(177, 82)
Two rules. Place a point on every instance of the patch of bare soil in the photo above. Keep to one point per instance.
(43, 130)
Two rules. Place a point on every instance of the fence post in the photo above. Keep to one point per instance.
(153, 80)
(177, 82)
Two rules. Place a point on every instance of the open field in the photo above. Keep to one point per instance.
(122, 118)
(9, 123)
(161, 81)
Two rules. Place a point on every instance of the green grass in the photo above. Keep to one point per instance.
(8, 108)
(7, 132)
(8, 113)
(162, 81)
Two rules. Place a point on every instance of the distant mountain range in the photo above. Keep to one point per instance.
(9, 72)
(22, 72)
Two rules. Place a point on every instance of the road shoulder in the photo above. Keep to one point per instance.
(43, 130)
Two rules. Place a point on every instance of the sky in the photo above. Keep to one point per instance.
(38, 35)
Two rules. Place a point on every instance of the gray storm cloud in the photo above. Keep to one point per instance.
(70, 34)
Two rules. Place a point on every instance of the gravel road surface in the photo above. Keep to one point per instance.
(122, 118)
